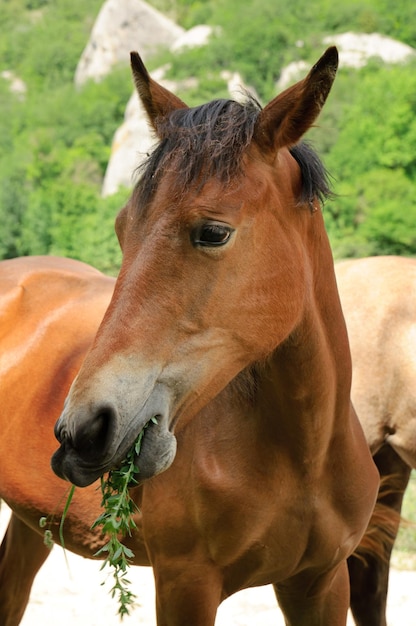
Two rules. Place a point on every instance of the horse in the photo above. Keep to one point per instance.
(378, 297)
(50, 310)
(225, 346)
(225, 326)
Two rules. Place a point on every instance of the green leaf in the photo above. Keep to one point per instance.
(48, 539)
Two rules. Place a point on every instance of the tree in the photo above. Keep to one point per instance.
(374, 157)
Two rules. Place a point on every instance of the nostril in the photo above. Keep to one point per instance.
(93, 436)
(59, 431)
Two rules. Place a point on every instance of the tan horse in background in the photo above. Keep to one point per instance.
(378, 297)
(225, 324)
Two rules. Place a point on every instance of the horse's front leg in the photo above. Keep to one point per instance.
(311, 600)
(188, 593)
(22, 553)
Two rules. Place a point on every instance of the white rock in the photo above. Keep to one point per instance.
(131, 142)
(356, 49)
(194, 37)
(122, 26)
(237, 87)
(292, 73)
(16, 84)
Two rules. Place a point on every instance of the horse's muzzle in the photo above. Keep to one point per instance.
(96, 441)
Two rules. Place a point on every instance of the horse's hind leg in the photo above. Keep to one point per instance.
(22, 553)
(369, 576)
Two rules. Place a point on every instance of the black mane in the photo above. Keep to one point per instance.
(200, 143)
(209, 141)
(315, 178)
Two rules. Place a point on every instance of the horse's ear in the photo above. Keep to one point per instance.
(157, 101)
(286, 118)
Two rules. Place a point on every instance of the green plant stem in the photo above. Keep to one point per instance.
(116, 521)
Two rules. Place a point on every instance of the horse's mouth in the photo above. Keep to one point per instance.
(151, 453)
(131, 462)
(156, 451)
(67, 465)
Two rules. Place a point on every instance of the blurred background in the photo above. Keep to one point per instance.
(65, 84)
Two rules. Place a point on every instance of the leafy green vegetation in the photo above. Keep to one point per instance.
(55, 140)
(374, 160)
(115, 522)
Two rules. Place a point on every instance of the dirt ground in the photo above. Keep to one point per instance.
(71, 593)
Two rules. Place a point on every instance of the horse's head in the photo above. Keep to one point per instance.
(217, 243)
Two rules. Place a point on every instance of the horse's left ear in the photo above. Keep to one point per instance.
(157, 101)
(286, 118)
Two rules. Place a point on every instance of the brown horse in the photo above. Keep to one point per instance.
(50, 310)
(225, 324)
(378, 297)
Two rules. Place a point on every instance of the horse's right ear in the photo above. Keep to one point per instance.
(157, 101)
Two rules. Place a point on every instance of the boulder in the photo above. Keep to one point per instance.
(197, 36)
(355, 50)
(16, 84)
(122, 26)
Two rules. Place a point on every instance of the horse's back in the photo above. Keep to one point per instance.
(382, 285)
(27, 281)
(40, 293)
(378, 296)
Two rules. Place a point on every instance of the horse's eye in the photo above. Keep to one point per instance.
(211, 234)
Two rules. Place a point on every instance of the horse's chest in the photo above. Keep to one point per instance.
(255, 523)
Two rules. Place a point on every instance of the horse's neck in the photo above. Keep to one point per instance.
(304, 388)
